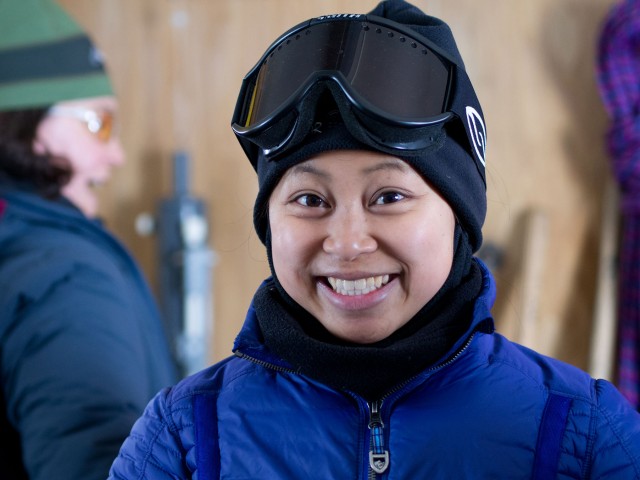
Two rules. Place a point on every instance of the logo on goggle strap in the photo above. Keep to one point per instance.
(340, 15)
(477, 133)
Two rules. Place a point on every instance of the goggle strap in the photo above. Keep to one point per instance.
(467, 107)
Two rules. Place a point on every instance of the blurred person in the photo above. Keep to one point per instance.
(371, 351)
(82, 348)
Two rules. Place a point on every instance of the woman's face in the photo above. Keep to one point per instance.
(361, 241)
(64, 135)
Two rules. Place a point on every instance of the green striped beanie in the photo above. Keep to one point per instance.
(45, 57)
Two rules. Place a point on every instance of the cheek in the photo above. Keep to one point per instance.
(84, 157)
(432, 247)
(289, 250)
(292, 255)
(432, 232)
(281, 243)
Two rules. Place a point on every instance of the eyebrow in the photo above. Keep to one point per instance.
(398, 165)
(387, 165)
(306, 168)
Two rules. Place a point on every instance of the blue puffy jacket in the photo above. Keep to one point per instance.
(494, 410)
(82, 349)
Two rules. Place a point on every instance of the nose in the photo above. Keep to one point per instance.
(349, 235)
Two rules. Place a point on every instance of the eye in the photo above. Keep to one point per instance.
(388, 197)
(310, 200)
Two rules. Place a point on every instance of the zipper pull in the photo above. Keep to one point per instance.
(378, 456)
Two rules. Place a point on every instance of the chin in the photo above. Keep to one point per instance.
(360, 337)
(87, 204)
(83, 198)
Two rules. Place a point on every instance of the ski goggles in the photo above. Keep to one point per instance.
(100, 123)
(399, 88)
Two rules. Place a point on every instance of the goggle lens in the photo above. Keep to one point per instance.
(393, 73)
(104, 127)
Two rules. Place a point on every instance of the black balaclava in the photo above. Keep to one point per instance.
(458, 175)
(372, 370)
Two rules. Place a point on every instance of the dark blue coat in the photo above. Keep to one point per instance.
(495, 410)
(82, 348)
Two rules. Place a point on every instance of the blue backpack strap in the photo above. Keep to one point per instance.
(552, 427)
(206, 427)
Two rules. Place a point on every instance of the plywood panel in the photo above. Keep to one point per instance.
(177, 67)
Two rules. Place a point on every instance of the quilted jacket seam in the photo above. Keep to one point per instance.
(615, 431)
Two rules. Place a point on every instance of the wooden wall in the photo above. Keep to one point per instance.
(177, 66)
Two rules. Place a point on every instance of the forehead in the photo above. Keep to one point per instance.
(98, 103)
(337, 164)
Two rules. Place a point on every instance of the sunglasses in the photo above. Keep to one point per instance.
(396, 87)
(99, 122)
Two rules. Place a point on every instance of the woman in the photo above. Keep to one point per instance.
(371, 351)
(82, 348)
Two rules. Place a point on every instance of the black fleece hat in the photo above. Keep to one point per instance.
(454, 165)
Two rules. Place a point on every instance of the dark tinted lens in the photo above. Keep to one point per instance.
(292, 63)
(397, 74)
(392, 72)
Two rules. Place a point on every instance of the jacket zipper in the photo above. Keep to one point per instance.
(456, 355)
(262, 363)
(378, 456)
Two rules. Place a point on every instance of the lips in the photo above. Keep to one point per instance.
(361, 286)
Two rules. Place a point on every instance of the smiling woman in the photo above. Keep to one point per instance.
(335, 248)
(82, 347)
(79, 135)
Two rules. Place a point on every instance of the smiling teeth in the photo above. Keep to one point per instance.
(361, 286)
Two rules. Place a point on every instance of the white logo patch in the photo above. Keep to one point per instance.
(478, 133)
(340, 15)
